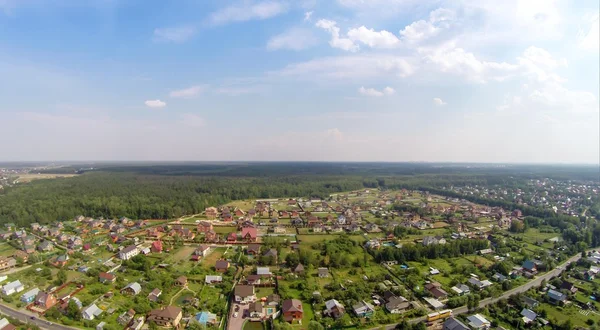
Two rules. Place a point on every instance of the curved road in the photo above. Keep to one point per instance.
(534, 283)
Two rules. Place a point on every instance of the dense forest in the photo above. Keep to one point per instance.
(142, 190)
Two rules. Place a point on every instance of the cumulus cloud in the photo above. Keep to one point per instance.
(337, 41)
(249, 10)
(293, 39)
(188, 92)
(175, 34)
(155, 103)
(372, 38)
(422, 30)
(438, 102)
(376, 93)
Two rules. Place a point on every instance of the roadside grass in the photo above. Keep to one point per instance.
(559, 315)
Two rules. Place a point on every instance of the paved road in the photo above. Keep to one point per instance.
(24, 316)
(534, 283)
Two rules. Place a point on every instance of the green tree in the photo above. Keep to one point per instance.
(61, 277)
(73, 310)
(314, 325)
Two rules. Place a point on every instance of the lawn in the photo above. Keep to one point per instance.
(558, 315)
(6, 250)
(210, 260)
(182, 254)
(243, 204)
(311, 239)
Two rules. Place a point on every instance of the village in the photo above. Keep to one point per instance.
(355, 260)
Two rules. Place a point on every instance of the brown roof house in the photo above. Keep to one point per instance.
(169, 316)
(181, 281)
(45, 300)
(244, 293)
(107, 278)
(222, 266)
(153, 296)
(292, 310)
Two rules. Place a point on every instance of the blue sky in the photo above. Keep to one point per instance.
(346, 80)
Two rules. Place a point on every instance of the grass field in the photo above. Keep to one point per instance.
(6, 250)
(182, 254)
(245, 205)
(24, 178)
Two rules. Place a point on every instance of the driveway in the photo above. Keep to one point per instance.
(236, 323)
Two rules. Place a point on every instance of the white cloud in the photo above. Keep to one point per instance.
(590, 40)
(372, 38)
(293, 39)
(389, 91)
(418, 31)
(307, 15)
(249, 10)
(376, 93)
(422, 30)
(188, 92)
(155, 103)
(438, 102)
(176, 34)
(192, 120)
(355, 67)
(448, 58)
(337, 42)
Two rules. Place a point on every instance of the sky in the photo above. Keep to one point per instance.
(512, 81)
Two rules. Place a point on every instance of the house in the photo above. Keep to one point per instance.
(23, 255)
(222, 266)
(204, 227)
(202, 250)
(556, 297)
(145, 251)
(396, 305)
(154, 294)
(45, 300)
(530, 266)
(323, 272)
(211, 212)
(568, 286)
(341, 220)
(461, 289)
(292, 310)
(477, 321)
(156, 247)
(363, 309)
(435, 289)
(227, 217)
(454, 324)
(299, 269)
(210, 236)
(91, 312)
(129, 252)
(279, 230)
(132, 289)
(499, 277)
(256, 310)
(253, 249)
(181, 281)
(183, 233)
(263, 271)
(206, 318)
(12, 287)
(100, 325)
(137, 323)
(210, 279)
(433, 240)
(253, 279)
(272, 253)
(3, 278)
(6, 263)
(61, 260)
(126, 317)
(30, 295)
(46, 246)
(244, 293)
(169, 316)
(107, 277)
(273, 299)
(334, 309)
(528, 315)
(479, 285)
(485, 251)
(249, 234)
(530, 302)
(232, 238)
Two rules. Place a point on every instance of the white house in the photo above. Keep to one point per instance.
(13, 287)
(91, 312)
(477, 321)
(3, 278)
(129, 252)
(210, 279)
